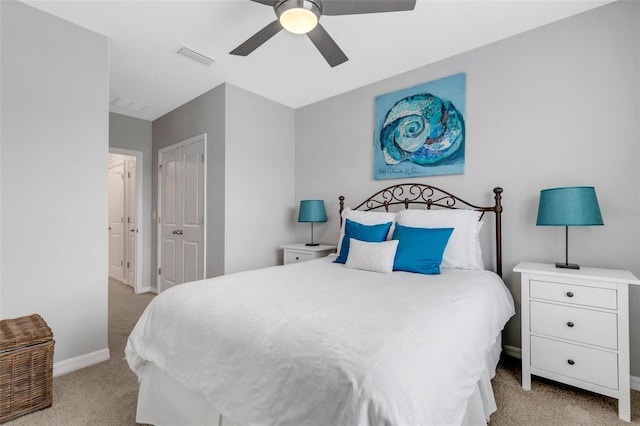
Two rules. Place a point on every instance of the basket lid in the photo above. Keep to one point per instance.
(22, 331)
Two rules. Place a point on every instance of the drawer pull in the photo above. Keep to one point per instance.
(570, 362)
(297, 258)
(570, 324)
(569, 294)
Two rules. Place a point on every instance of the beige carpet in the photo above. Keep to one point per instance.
(551, 403)
(105, 394)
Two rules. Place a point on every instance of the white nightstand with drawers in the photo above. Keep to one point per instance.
(575, 328)
(294, 253)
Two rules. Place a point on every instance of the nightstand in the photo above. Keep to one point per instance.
(294, 253)
(575, 328)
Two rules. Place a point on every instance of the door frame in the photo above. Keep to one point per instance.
(189, 141)
(139, 213)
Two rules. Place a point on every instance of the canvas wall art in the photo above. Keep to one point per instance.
(420, 131)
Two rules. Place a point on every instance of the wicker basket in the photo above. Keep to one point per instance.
(26, 366)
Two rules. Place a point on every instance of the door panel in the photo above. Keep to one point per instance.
(170, 183)
(192, 186)
(191, 260)
(131, 262)
(116, 222)
(170, 262)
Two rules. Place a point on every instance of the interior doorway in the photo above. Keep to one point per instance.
(125, 208)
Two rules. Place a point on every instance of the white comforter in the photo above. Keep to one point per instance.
(315, 343)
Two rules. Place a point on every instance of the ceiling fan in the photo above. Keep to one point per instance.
(302, 16)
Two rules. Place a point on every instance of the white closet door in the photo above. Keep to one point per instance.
(170, 209)
(132, 226)
(182, 180)
(116, 222)
(192, 235)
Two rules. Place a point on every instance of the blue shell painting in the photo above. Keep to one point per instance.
(421, 131)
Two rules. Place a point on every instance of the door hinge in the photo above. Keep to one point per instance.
(121, 263)
(128, 219)
(127, 265)
(202, 157)
(128, 174)
(159, 271)
(160, 167)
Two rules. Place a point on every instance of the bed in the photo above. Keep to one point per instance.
(330, 343)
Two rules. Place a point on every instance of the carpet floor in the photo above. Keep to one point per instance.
(105, 394)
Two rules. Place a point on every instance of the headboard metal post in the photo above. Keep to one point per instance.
(498, 210)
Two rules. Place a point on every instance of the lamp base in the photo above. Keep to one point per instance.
(312, 244)
(567, 265)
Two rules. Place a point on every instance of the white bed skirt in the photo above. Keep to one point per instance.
(162, 401)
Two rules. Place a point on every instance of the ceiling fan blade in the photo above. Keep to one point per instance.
(267, 2)
(257, 39)
(352, 7)
(327, 47)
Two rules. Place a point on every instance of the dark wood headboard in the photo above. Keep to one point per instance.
(417, 193)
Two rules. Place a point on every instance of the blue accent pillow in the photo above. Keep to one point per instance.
(420, 249)
(358, 231)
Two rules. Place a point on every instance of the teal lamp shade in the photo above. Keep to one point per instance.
(570, 206)
(312, 211)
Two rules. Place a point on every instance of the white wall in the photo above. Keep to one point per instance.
(556, 106)
(135, 134)
(54, 143)
(260, 179)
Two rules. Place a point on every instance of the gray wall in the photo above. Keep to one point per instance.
(54, 144)
(204, 114)
(247, 163)
(556, 106)
(135, 134)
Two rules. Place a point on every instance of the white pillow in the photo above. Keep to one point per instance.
(366, 218)
(374, 257)
(479, 260)
(463, 249)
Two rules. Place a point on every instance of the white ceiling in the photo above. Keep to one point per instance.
(144, 36)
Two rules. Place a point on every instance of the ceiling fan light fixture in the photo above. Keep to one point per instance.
(298, 16)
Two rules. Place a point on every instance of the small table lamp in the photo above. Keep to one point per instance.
(312, 211)
(572, 206)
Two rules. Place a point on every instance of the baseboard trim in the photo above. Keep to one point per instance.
(512, 351)
(146, 289)
(635, 383)
(79, 362)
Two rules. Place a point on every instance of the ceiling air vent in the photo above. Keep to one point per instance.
(196, 56)
(125, 103)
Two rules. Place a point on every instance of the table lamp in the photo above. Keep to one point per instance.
(569, 206)
(312, 211)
